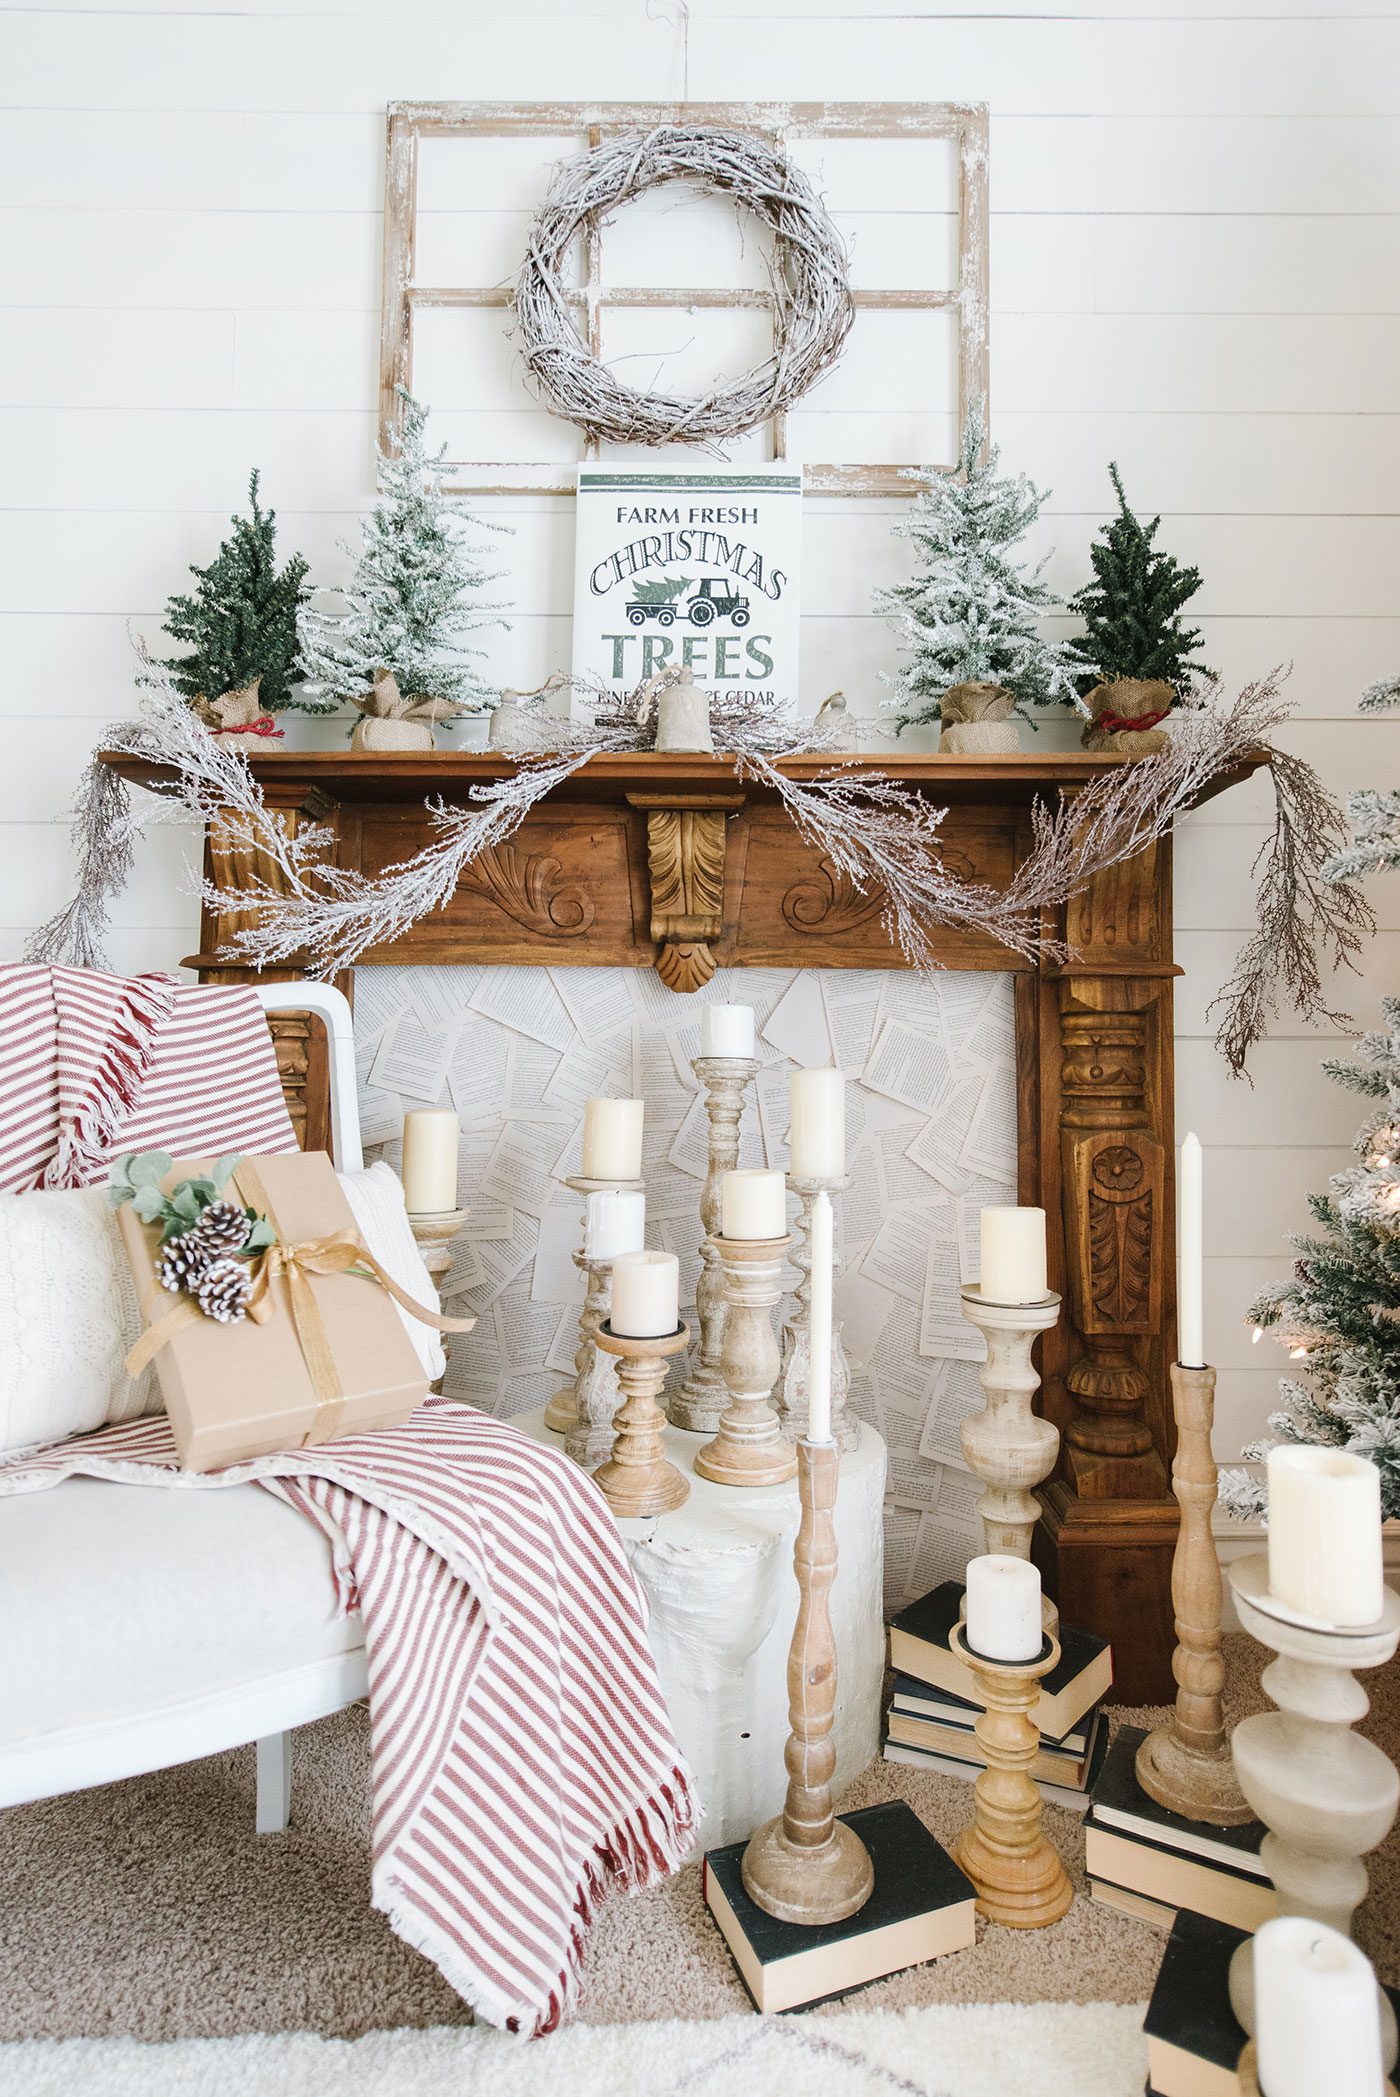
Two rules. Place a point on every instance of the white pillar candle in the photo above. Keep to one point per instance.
(1003, 1607)
(1316, 2016)
(1013, 1255)
(817, 1107)
(1191, 1347)
(430, 1138)
(614, 1224)
(1325, 1534)
(753, 1205)
(727, 1030)
(612, 1139)
(645, 1295)
(819, 1324)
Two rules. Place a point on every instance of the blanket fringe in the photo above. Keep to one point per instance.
(85, 1142)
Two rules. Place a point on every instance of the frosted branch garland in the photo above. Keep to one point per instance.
(878, 834)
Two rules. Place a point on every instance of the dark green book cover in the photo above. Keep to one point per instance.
(1121, 1805)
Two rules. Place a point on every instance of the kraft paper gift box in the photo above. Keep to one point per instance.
(246, 1389)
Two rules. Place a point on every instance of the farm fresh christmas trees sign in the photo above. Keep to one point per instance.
(693, 568)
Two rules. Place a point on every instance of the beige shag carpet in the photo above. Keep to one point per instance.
(149, 1908)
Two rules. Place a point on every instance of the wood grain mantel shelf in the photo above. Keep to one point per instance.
(674, 863)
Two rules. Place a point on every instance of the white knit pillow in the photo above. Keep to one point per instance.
(68, 1308)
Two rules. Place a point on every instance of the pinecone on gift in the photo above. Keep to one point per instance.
(223, 1290)
(222, 1228)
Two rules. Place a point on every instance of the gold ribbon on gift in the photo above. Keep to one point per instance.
(341, 1252)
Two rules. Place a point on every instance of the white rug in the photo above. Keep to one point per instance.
(977, 2050)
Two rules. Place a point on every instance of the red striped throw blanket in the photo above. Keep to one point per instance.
(523, 1760)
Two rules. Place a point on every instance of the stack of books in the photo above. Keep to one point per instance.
(1149, 1862)
(935, 1705)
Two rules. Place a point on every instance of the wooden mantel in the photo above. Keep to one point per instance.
(673, 862)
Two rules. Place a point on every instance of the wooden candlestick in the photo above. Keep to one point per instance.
(583, 1410)
(434, 1231)
(1186, 1765)
(749, 1448)
(793, 1393)
(807, 1866)
(1019, 1878)
(1327, 1796)
(701, 1399)
(1007, 1445)
(639, 1478)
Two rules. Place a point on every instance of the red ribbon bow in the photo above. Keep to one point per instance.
(264, 725)
(1118, 724)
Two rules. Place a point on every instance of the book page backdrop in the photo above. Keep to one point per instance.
(931, 1137)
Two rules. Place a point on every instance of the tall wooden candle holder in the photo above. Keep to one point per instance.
(749, 1448)
(701, 1399)
(793, 1390)
(807, 1866)
(582, 1411)
(1007, 1445)
(1326, 1795)
(639, 1478)
(1186, 1765)
(1019, 1878)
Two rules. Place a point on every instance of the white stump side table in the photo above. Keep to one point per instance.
(717, 1574)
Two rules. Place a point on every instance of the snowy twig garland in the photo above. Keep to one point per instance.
(812, 306)
(878, 835)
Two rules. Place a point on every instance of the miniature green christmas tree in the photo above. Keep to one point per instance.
(971, 614)
(1132, 608)
(1339, 1315)
(241, 621)
(412, 599)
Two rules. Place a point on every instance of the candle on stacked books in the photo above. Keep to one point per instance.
(726, 1066)
(817, 1140)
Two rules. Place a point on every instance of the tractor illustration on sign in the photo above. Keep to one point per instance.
(713, 597)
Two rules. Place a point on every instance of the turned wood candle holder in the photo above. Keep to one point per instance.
(1186, 1765)
(1019, 1878)
(639, 1478)
(749, 1448)
(1326, 1795)
(434, 1230)
(1007, 1445)
(807, 1866)
(794, 1392)
(582, 1410)
(701, 1399)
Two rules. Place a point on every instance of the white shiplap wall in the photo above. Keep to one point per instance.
(1195, 269)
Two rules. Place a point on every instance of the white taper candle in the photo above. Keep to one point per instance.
(819, 1323)
(1190, 1325)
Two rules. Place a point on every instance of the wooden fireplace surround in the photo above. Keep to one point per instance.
(672, 862)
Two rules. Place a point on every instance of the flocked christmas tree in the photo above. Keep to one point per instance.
(972, 612)
(415, 594)
(1132, 609)
(1339, 1315)
(240, 622)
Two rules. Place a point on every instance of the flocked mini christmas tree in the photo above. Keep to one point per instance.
(972, 613)
(1133, 627)
(240, 622)
(1339, 1314)
(414, 597)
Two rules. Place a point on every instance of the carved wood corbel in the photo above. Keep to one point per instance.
(685, 859)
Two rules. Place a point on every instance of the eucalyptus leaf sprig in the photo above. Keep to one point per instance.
(137, 1179)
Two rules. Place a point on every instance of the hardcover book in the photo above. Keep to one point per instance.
(1120, 1802)
(1174, 1880)
(1054, 1764)
(922, 1907)
(919, 1647)
(915, 1699)
(1072, 1797)
(695, 568)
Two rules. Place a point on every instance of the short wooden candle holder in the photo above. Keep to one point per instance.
(1326, 1795)
(1019, 1878)
(1186, 1765)
(701, 1399)
(434, 1232)
(807, 1866)
(583, 1410)
(794, 1388)
(1007, 1445)
(639, 1478)
(749, 1448)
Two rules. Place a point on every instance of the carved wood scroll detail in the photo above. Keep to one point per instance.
(828, 902)
(533, 889)
(685, 856)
